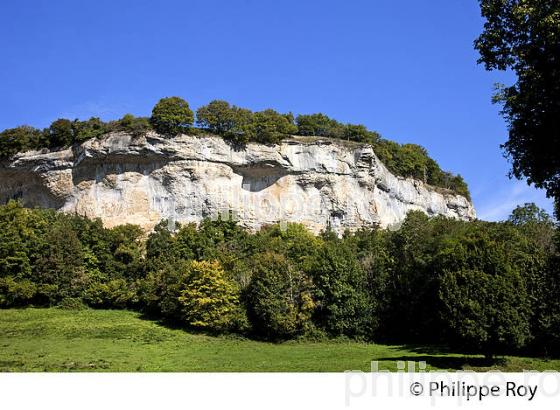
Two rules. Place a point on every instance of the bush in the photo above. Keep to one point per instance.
(72, 304)
(136, 126)
(171, 116)
(279, 298)
(115, 293)
(15, 293)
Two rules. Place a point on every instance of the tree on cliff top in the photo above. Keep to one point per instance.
(171, 116)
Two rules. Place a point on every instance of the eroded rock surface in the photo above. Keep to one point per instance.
(122, 179)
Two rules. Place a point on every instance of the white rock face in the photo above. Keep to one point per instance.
(122, 179)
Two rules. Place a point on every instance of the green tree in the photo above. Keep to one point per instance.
(171, 116)
(85, 130)
(319, 125)
(343, 306)
(232, 122)
(60, 133)
(487, 312)
(279, 298)
(137, 126)
(19, 139)
(270, 127)
(218, 116)
(524, 36)
(209, 299)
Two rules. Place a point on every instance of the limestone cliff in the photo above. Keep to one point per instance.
(317, 182)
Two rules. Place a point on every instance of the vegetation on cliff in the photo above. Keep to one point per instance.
(172, 115)
(478, 286)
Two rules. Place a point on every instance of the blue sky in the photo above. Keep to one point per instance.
(406, 69)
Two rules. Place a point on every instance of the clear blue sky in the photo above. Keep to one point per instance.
(406, 69)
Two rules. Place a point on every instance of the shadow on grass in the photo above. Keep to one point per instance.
(446, 362)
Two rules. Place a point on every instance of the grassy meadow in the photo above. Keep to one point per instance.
(122, 341)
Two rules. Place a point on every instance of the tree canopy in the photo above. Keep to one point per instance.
(524, 36)
(238, 126)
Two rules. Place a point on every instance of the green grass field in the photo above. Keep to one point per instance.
(111, 340)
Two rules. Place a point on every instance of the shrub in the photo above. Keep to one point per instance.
(115, 293)
(171, 116)
(72, 304)
(16, 292)
(137, 126)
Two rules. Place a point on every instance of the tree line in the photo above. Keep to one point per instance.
(485, 287)
(239, 126)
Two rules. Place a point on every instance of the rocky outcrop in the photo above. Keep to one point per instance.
(317, 182)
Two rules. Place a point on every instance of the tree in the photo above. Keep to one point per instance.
(171, 116)
(270, 126)
(137, 126)
(229, 121)
(524, 36)
(279, 298)
(209, 299)
(60, 133)
(15, 241)
(85, 130)
(218, 116)
(343, 306)
(319, 125)
(14, 140)
(529, 213)
(487, 312)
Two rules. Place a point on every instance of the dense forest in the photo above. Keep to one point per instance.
(172, 116)
(476, 286)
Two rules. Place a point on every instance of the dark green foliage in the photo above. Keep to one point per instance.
(229, 121)
(411, 160)
(19, 139)
(484, 295)
(171, 116)
(137, 126)
(343, 306)
(478, 286)
(60, 133)
(115, 293)
(279, 298)
(239, 126)
(319, 125)
(524, 36)
(270, 127)
(486, 312)
(85, 130)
